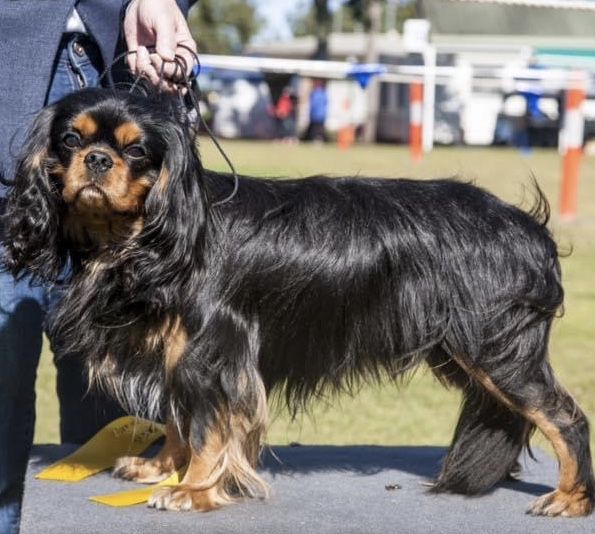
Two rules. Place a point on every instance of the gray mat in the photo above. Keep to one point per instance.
(315, 490)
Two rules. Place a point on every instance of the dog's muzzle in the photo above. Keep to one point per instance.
(98, 162)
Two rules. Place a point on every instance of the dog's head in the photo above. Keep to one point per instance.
(103, 169)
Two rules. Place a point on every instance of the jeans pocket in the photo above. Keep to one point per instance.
(63, 83)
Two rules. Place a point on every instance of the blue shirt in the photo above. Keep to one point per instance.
(318, 105)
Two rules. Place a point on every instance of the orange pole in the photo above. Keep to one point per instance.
(573, 150)
(346, 134)
(346, 137)
(415, 120)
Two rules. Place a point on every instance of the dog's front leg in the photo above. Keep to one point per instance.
(221, 469)
(217, 384)
(174, 455)
(200, 489)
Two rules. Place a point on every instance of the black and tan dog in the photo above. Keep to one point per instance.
(195, 311)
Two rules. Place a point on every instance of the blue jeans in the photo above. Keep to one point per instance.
(22, 310)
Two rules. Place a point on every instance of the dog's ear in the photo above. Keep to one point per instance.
(30, 224)
(169, 251)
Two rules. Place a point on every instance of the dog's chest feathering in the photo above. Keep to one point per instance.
(90, 229)
(138, 368)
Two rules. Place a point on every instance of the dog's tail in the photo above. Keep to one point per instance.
(486, 445)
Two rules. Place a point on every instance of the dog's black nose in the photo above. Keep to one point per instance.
(98, 162)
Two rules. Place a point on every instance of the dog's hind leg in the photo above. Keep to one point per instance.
(567, 428)
(486, 445)
(488, 437)
(542, 402)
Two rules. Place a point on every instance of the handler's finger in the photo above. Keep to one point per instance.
(166, 69)
(165, 78)
(186, 54)
(131, 35)
(131, 60)
(165, 39)
(145, 66)
(170, 86)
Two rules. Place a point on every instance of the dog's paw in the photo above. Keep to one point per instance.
(559, 503)
(182, 499)
(142, 470)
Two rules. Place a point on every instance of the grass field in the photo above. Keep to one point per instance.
(423, 412)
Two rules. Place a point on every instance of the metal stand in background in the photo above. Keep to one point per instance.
(429, 101)
(416, 40)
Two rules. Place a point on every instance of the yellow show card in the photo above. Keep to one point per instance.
(135, 496)
(126, 436)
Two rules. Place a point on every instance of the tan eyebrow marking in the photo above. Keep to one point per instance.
(128, 133)
(85, 124)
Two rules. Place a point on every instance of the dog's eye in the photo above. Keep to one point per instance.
(71, 140)
(136, 152)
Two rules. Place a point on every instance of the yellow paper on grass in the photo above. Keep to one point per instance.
(126, 436)
(136, 496)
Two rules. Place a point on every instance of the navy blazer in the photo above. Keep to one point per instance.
(30, 33)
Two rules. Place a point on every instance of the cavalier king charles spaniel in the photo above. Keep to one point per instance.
(194, 311)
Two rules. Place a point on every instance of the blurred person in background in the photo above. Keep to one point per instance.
(318, 112)
(285, 114)
(50, 49)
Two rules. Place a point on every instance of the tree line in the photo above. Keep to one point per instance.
(226, 26)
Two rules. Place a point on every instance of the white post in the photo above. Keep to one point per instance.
(429, 101)
(390, 16)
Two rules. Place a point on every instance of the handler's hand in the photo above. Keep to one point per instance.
(159, 24)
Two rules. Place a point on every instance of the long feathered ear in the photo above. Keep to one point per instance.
(169, 252)
(31, 220)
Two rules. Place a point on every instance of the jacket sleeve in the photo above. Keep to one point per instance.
(185, 5)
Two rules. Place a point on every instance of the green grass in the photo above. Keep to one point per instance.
(422, 412)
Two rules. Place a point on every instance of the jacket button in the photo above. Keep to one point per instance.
(79, 50)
